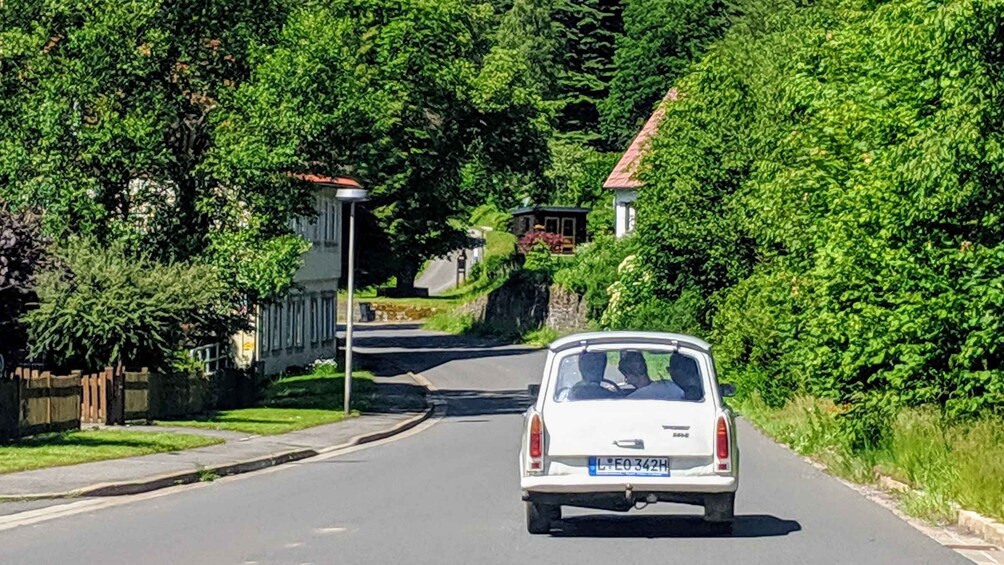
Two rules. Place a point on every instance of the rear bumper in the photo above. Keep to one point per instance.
(580, 484)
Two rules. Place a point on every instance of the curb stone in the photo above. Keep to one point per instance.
(187, 477)
(981, 526)
(968, 521)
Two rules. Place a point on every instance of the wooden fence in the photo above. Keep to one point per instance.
(39, 402)
(103, 397)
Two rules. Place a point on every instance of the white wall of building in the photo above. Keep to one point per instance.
(301, 328)
(624, 211)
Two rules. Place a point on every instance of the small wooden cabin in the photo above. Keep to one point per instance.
(568, 222)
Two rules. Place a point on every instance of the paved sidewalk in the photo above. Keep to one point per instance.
(240, 453)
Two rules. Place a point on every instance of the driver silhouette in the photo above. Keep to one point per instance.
(592, 366)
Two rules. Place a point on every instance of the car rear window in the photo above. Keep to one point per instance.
(634, 374)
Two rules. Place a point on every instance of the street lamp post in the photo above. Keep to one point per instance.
(352, 196)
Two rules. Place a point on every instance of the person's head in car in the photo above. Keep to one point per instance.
(592, 365)
(634, 368)
(684, 372)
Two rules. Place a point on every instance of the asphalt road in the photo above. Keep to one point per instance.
(449, 494)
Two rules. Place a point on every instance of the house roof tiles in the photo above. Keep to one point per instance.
(622, 177)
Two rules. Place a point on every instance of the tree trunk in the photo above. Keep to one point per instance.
(406, 279)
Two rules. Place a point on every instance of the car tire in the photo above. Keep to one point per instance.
(720, 511)
(539, 517)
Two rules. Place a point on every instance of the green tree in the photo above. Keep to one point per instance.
(106, 120)
(828, 188)
(661, 39)
(569, 47)
(402, 95)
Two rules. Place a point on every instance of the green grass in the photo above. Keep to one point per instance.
(450, 322)
(541, 337)
(946, 463)
(71, 448)
(292, 403)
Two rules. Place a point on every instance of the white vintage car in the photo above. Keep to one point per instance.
(626, 419)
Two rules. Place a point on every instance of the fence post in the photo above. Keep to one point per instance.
(48, 397)
(106, 378)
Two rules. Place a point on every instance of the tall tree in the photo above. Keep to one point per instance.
(661, 39)
(106, 121)
(569, 44)
(402, 95)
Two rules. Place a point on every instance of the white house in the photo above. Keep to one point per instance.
(622, 179)
(301, 328)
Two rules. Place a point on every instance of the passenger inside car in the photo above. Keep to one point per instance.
(592, 366)
(635, 370)
(684, 372)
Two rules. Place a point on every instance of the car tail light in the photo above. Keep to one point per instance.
(536, 442)
(722, 443)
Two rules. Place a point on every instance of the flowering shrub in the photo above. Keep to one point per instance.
(552, 240)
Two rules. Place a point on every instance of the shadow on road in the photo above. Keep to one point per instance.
(471, 403)
(387, 355)
(665, 526)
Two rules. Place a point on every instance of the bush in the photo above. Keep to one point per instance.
(110, 307)
(553, 241)
(848, 243)
(593, 270)
(540, 259)
(634, 304)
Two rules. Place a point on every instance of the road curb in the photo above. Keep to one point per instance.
(968, 521)
(982, 527)
(167, 480)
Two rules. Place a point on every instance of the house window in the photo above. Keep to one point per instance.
(330, 236)
(629, 212)
(298, 324)
(277, 327)
(568, 227)
(264, 329)
(328, 318)
(551, 225)
(313, 321)
(290, 319)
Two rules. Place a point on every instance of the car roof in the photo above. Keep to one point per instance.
(662, 338)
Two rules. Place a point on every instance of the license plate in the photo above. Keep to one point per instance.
(629, 466)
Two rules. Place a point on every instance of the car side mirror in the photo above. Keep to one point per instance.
(727, 390)
(533, 389)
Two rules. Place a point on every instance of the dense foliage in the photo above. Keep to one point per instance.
(404, 96)
(107, 306)
(829, 187)
(660, 40)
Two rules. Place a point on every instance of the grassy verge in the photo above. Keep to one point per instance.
(71, 448)
(293, 403)
(541, 337)
(947, 464)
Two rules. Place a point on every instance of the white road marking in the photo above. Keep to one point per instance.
(328, 530)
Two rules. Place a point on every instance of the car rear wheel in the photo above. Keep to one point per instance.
(539, 517)
(720, 511)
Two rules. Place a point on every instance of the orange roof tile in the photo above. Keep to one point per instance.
(622, 177)
(344, 182)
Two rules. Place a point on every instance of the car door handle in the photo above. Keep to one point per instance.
(630, 443)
